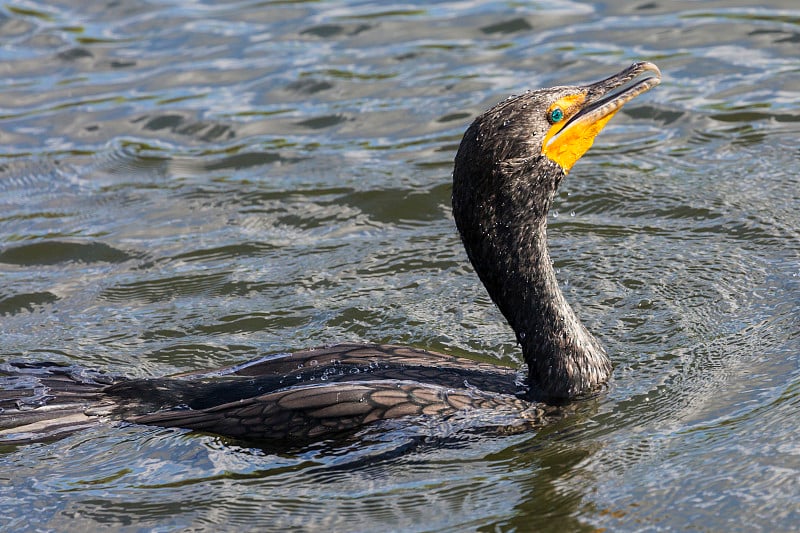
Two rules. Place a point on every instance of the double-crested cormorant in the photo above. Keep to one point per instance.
(507, 170)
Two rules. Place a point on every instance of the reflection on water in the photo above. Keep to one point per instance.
(187, 186)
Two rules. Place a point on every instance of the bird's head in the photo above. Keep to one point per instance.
(518, 151)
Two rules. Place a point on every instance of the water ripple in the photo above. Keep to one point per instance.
(186, 185)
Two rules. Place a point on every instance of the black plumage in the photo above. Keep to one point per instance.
(507, 170)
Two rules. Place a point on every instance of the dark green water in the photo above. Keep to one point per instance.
(186, 185)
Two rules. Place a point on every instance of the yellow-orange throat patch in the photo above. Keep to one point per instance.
(565, 145)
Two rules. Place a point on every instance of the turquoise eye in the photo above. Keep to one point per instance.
(556, 115)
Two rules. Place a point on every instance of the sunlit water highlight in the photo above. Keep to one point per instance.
(188, 185)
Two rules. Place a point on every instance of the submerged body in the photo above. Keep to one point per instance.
(292, 396)
(508, 167)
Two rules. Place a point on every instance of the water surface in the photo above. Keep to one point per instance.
(186, 185)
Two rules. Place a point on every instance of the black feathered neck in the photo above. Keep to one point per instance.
(502, 191)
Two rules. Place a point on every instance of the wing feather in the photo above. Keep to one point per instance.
(311, 411)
